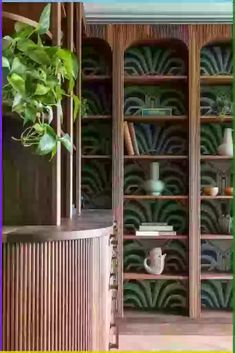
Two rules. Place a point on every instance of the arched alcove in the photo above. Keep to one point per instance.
(97, 124)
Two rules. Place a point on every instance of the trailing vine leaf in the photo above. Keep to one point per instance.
(44, 21)
(34, 75)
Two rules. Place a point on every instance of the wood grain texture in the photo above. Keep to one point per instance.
(56, 163)
(194, 178)
(55, 295)
(118, 151)
(78, 51)
(69, 115)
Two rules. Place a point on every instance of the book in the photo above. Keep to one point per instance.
(154, 224)
(127, 139)
(156, 228)
(133, 138)
(152, 233)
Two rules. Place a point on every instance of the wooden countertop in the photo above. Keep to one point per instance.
(91, 224)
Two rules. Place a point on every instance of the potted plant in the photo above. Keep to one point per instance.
(35, 74)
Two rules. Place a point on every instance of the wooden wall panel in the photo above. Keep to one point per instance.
(55, 295)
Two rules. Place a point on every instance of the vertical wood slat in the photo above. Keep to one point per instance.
(118, 152)
(69, 115)
(56, 163)
(78, 154)
(194, 178)
(55, 295)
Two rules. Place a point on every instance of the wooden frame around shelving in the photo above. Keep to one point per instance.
(119, 37)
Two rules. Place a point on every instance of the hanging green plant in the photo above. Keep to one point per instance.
(34, 75)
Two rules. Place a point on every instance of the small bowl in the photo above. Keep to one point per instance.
(228, 191)
(211, 190)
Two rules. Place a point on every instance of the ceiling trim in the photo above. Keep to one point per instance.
(160, 12)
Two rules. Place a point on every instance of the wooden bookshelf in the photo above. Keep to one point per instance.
(155, 119)
(159, 237)
(156, 158)
(130, 169)
(143, 276)
(217, 80)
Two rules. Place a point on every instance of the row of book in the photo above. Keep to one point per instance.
(130, 139)
(155, 229)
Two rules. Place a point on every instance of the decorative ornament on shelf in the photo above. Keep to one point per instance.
(210, 191)
(226, 223)
(157, 261)
(154, 186)
(226, 148)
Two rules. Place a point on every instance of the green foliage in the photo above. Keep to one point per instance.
(35, 75)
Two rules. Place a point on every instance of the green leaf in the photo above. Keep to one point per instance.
(26, 45)
(6, 42)
(44, 21)
(41, 90)
(75, 65)
(17, 82)
(18, 66)
(46, 144)
(76, 106)
(23, 30)
(38, 127)
(30, 114)
(16, 101)
(66, 142)
(5, 62)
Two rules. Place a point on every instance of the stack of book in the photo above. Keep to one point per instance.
(154, 230)
(130, 139)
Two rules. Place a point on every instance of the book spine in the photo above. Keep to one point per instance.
(133, 138)
(156, 228)
(153, 234)
(154, 224)
(127, 139)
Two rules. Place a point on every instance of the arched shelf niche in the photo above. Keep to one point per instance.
(97, 124)
(168, 57)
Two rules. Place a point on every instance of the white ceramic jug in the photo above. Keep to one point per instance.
(157, 261)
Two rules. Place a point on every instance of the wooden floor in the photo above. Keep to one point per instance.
(178, 343)
(210, 324)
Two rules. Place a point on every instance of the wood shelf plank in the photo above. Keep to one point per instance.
(218, 197)
(155, 118)
(216, 276)
(96, 156)
(158, 157)
(217, 80)
(151, 79)
(159, 237)
(153, 197)
(95, 78)
(216, 236)
(215, 119)
(97, 117)
(143, 276)
(214, 158)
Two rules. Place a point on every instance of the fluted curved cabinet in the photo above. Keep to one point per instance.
(59, 294)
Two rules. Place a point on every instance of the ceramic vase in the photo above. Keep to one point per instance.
(154, 186)
(225, 223)
(157, 261)
(226, 149)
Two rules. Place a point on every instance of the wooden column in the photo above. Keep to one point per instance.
(194, 177)
(69, 115)
(78, 137)
(118, 152)
(56, 172)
